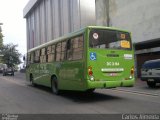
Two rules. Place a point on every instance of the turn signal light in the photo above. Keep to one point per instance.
(90, 72)
(132, 71)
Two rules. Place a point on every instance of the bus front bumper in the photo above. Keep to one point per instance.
(110, 84)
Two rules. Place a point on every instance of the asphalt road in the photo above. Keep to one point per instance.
(17, 96)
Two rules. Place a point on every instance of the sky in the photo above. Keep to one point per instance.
(14, 25)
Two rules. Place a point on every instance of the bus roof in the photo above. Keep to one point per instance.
(58, 39)
(72, 34)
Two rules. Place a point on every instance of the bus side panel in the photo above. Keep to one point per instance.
(33, 69)
(46, 71)
(71, 75)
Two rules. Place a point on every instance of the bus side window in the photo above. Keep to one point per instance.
(53, 52)
(78, 48)
(63, 57)
(68, 44)
(32, 58)
(49, 49)
(49, 54)
(37, 56)
(28, 58)
(69, 50)
(43, 57)
(58, 51)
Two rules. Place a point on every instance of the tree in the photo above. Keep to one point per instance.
(1, 37)
(11, 56)
(1, 41)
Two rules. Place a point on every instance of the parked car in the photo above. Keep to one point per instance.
(1, 67)
(150, 72)
(8, 71)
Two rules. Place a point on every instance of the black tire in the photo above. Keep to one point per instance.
(151, 84)
(90, 91)
(54, 84)
(31, 80)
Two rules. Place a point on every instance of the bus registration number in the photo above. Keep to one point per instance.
(125, 44)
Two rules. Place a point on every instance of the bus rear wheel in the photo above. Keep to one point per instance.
(31, 80)
(90, 91)
(54, 84)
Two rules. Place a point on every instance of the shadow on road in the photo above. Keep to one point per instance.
(81, 97)
(149, 88)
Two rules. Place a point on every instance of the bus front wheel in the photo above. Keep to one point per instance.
(54, 84)
(90, 91)
(31, 80)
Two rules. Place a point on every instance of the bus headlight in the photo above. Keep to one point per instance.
(130, 77)
(132, 71)
(90, 72)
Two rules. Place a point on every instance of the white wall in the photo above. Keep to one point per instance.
(141, 17)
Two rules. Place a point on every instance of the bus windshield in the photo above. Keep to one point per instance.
(111, 39)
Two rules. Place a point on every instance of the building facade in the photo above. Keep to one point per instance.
(141, 17)
(49, 19)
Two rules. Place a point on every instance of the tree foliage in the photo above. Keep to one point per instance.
(11, 56)
(1, 38)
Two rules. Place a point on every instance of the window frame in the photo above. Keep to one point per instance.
(43, 55)
(37, 55)
(106, 43)
(70, 48)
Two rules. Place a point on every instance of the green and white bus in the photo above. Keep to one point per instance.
(93, 57)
